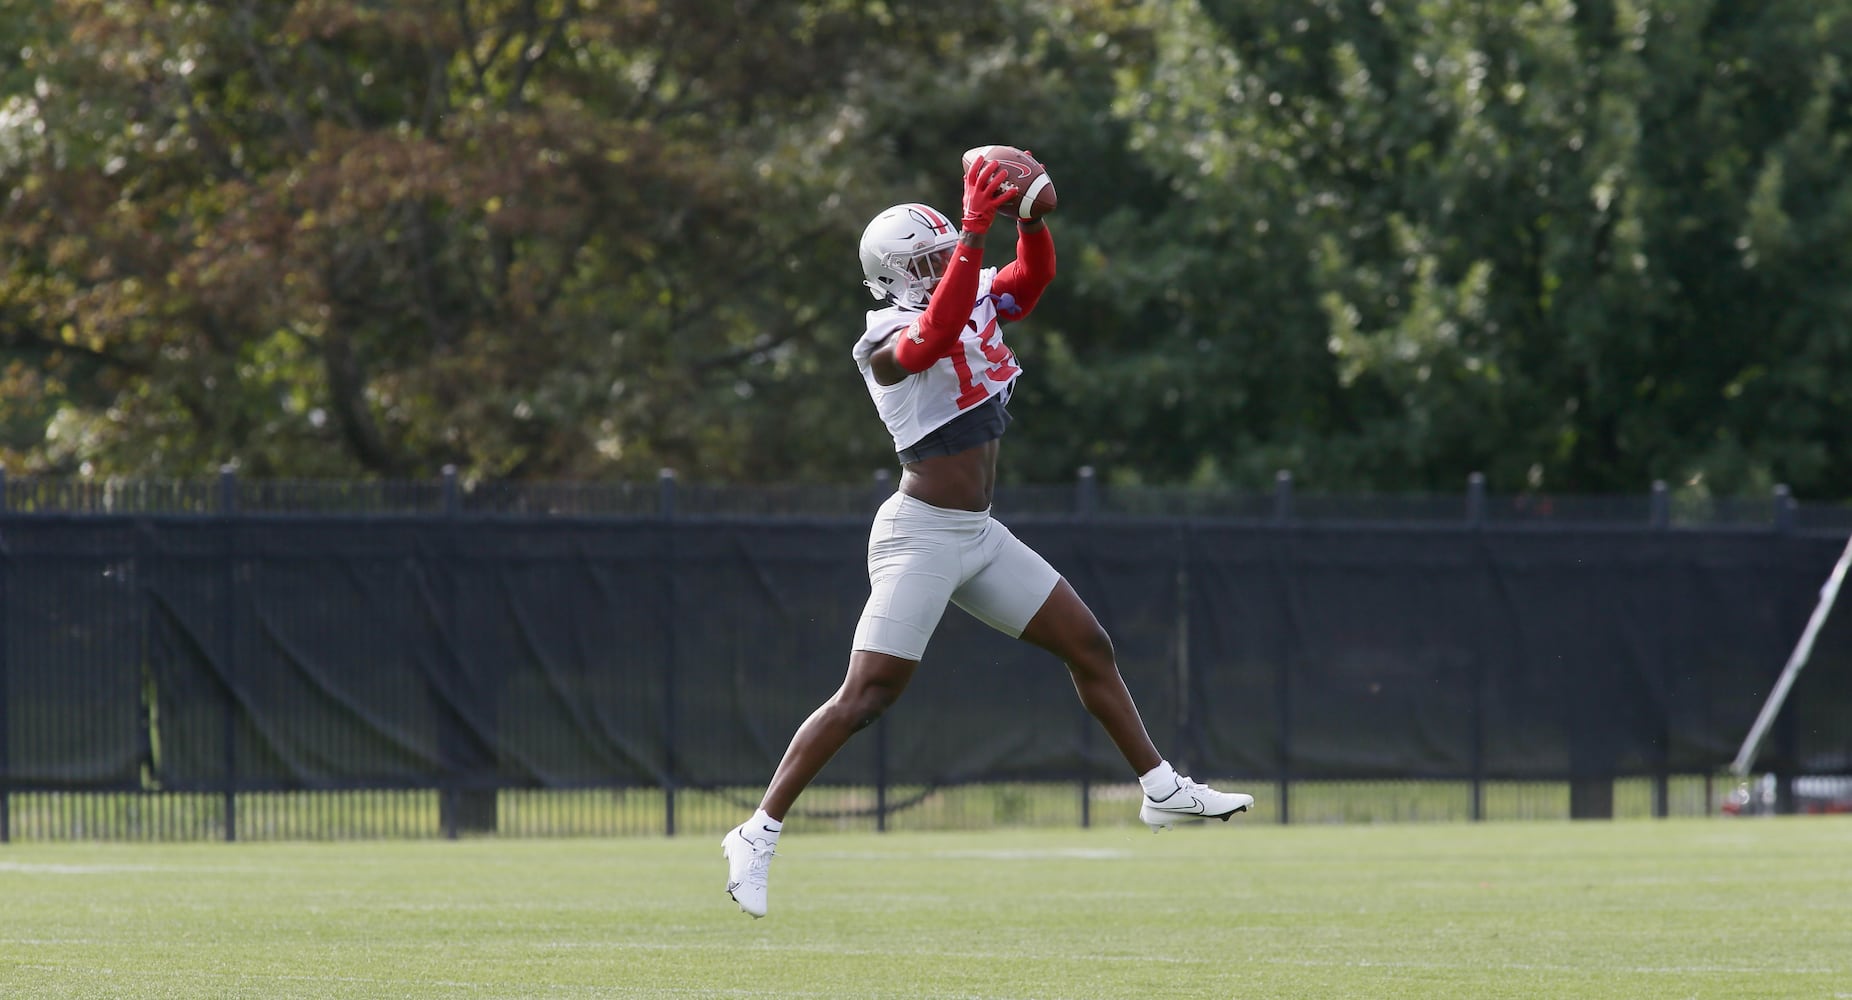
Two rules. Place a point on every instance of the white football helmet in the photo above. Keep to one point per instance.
(905, 251)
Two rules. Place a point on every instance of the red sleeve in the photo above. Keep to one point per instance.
(926, 339)
(1019, 286)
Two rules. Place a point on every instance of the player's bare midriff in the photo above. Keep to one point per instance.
(964, 481)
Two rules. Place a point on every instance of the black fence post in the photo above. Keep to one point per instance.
(880, 776)
(665, 509)
(462, 806)
(6, 729)
(1283, 705)
(1662, 765)
(1784, 508)
(1659, 513)
(883, 488)
(228, 624)
(1086, 502)
(1785, 804)
(1475, 517)
(1282, 496)
(1188, 744)
(1659, 518)
(447, 820)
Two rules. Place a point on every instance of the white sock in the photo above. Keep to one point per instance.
(1160, 780)
(763, 828)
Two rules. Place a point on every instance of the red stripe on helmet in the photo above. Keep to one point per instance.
(940, 224)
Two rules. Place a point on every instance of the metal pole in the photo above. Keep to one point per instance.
(665, 497)
(1475, 516)
(883, 489)
(1282, 516)
(228, 668)
(881, 774)
(1659, 518)
(449, 796)
(6, 773)
(1186, 723)
(1783, 521)
(1784, 508)
(1282, 496)
(1086, 501)
(1796, 660)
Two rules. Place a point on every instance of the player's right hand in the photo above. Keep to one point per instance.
(987, 189)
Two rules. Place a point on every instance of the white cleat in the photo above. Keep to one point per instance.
(1191, 800)
(749, 862)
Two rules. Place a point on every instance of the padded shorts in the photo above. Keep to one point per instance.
(921, 556)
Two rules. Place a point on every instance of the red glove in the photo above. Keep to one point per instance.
(936, 331)
(987, 189)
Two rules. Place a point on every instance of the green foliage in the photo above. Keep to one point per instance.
(1576, 246)
(1549, 241)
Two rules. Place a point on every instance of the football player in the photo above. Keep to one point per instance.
(935, 363)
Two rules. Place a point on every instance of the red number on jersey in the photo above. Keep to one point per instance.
(1002, 362)
(1002, 366)
(972, 393)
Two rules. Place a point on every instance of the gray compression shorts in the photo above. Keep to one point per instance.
(921, 556)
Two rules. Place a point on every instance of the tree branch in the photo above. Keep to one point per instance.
(291, 119)
(539, 52)
(20, 337)
(347, 381)
(467, 29)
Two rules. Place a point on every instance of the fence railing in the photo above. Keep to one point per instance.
(1656, 506)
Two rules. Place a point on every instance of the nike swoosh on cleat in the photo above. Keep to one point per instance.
(732, 886)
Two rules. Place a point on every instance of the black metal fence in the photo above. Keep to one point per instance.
(237, 658)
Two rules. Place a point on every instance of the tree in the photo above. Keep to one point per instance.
(1529, 238)
(528, 237)
(1574, 246)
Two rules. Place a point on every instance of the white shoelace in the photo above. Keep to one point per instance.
(758, 870)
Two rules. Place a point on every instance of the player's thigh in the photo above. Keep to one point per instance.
(1011, 587)
(911, 576)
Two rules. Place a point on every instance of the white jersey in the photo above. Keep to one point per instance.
(977, 368)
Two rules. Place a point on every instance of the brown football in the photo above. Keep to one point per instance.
(1027, 175)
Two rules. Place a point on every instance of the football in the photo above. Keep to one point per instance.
(1026, 173)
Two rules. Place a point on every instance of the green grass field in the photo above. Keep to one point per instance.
(1676, 908)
